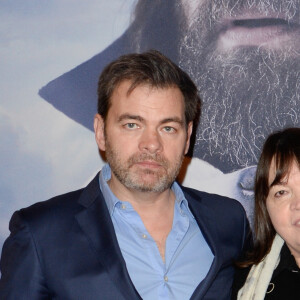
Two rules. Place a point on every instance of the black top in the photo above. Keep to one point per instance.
(285, 282)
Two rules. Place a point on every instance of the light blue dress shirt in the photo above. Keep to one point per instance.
(187, 255)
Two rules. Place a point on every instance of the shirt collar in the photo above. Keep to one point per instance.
(109, 197)
(287, 261)
(112, 201)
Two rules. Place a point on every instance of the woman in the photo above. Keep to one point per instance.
(275, 258)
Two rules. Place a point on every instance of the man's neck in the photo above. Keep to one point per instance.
(155, 209)
(141, 200)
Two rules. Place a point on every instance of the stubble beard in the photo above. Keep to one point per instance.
(247, 93)
(140, 179)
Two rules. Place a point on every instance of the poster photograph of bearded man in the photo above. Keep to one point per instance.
(244, 57)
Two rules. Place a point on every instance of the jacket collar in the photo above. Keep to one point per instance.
(96, 223)
(206, 222)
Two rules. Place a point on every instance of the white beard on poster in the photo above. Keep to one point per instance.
(237, 185)
(244, 57)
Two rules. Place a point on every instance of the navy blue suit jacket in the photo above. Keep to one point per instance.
(66, 248)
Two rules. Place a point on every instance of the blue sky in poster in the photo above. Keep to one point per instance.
(44, 153)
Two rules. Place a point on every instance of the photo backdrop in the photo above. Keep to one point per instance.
(243, 55)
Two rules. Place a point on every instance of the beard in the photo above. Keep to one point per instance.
(143, 179)
(247, 92)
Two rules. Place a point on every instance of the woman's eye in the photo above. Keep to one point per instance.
(280, 193)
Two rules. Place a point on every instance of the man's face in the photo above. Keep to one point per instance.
(247, 71)
(144, 137)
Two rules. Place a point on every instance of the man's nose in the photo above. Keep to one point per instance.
(150, 141)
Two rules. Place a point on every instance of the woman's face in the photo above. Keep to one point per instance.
(283, 205)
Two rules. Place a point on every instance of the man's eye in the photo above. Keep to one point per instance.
(169, 129)
(131, 125)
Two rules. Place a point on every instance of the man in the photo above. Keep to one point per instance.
(133, 232)
(244, 58)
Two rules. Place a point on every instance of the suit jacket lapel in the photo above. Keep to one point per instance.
(96, 223)
(206, 222)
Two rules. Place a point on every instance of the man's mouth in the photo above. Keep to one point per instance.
(149, 164)
(262, 31)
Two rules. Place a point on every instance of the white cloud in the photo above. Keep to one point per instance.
(44, 152)
(23, 173)
(66, 31)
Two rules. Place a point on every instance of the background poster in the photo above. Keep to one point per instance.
(243, 55)
(42, 151)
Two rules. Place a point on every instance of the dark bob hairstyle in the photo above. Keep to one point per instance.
(284, 148)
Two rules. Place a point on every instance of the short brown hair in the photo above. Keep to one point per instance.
(151, 68)
(282, 147)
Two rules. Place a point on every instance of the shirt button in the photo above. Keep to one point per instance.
(144, 236)
(166, 278)
(123, 206)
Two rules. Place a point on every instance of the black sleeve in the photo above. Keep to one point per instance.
(21, 274)
(240, 277)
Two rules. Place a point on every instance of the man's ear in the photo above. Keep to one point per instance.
(99, 132)
(188, 138)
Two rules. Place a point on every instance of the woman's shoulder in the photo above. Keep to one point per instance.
(240, 277)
